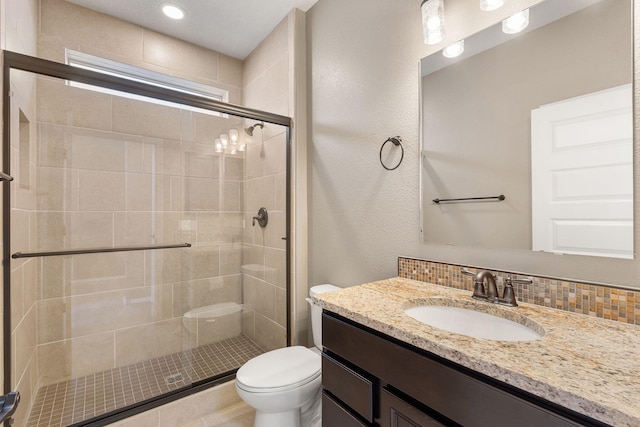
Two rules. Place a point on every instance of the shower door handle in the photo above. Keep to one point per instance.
(5, 177)
(8, 405)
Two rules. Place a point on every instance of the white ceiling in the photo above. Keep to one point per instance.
(232, 27)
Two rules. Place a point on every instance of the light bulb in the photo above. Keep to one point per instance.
(454, 49)
(233, 134)
(516, 23)
(224, 138)
(173, 11)
(489, 5)
(218, 145)
(433, 21)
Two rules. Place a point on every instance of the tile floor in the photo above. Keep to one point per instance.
(70, 402)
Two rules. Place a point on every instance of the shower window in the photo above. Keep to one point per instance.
(135, 271)
(141, 75)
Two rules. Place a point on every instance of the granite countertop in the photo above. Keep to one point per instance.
(583, 363)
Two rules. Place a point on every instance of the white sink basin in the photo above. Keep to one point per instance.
(472, 323)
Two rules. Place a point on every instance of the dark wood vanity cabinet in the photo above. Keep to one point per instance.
(370, 379)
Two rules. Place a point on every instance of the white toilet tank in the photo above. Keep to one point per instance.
(316, 312)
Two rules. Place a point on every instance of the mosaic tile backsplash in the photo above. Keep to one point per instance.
(593, 300)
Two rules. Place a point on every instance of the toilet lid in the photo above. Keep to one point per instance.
(279, 369)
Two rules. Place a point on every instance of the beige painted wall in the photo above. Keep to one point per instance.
(364, 88)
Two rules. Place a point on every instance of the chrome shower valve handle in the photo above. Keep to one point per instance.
(262, 217)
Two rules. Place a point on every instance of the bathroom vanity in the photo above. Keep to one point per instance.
(381, 367)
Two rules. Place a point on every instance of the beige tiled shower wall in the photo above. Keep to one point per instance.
(104, 165)
(119, 182)
(24, 273)
(19, 34)
(622, 305)
(266, 87)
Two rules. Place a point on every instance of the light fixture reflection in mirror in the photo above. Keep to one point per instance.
(233, 134)
(433, 21)
(516, 23)
(454, 49)
(225, 140)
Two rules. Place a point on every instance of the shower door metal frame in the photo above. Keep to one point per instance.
(18, 61)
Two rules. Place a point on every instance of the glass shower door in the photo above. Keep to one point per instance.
(136, 269)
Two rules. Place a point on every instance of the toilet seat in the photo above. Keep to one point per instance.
(279, 370)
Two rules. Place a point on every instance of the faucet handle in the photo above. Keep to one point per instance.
(262, 217)
(508, 295)
(466, 271)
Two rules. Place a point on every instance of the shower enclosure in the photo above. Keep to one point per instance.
(134, 268)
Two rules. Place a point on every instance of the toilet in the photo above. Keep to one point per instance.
(283, 385)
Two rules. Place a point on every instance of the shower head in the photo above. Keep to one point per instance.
(250, 129)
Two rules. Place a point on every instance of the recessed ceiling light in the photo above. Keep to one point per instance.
(173, 11)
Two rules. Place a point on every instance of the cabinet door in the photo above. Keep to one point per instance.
(395, 412)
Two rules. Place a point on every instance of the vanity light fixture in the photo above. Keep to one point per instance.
(489, 5)
(173, 11)
(432, 21)
(454, 49)
(516, 23)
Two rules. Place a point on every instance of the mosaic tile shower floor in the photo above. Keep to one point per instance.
(70, 402)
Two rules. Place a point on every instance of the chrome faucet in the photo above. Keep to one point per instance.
(490, 292)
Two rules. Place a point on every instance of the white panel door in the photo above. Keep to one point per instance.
(582, 175)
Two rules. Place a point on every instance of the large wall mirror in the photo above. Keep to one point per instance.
(543, 118)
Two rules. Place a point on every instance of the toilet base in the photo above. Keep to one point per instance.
(277, 419)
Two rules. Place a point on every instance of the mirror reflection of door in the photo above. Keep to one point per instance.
(582, 175)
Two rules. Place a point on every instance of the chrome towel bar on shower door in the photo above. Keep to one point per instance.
(97, 250)
(5, 177)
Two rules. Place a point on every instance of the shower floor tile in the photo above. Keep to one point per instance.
(73, 401)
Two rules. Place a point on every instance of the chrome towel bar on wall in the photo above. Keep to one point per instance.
(471, 199)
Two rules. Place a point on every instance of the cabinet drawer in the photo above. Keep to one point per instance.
(348, 386)
(335, 415)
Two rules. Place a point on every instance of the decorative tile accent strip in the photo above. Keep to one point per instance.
(593, 300)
